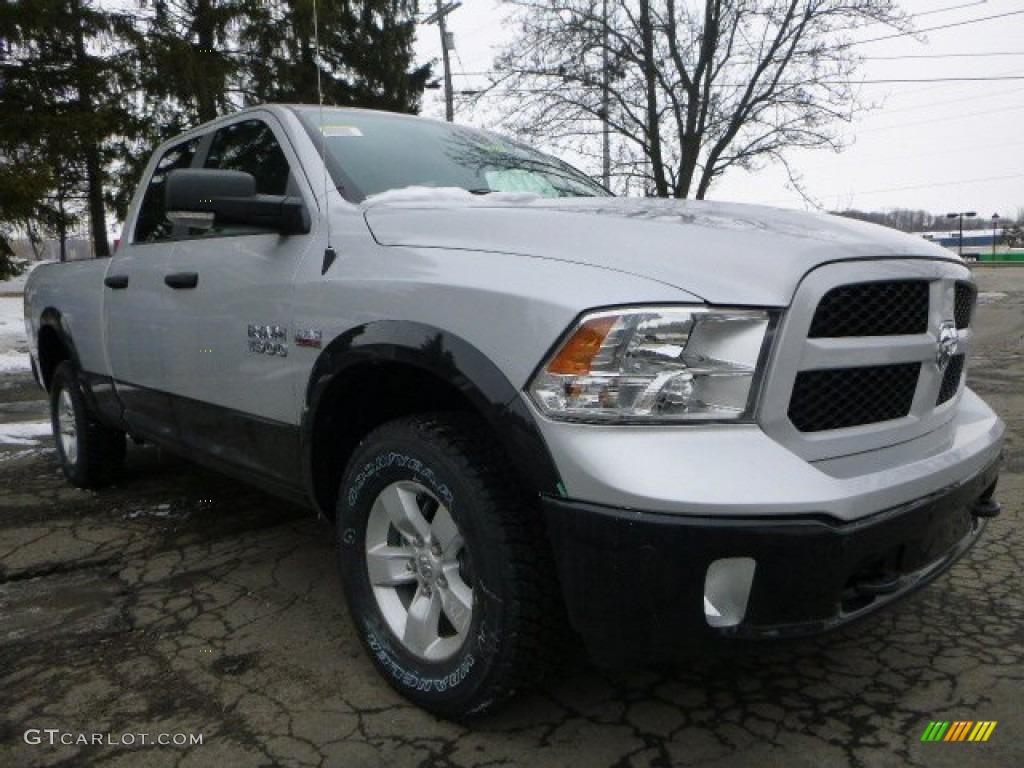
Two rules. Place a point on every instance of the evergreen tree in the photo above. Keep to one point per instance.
(188, 59)
(365, 54)
(61, 105)
(89, 87)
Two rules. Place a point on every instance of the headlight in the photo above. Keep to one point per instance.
(659, 364)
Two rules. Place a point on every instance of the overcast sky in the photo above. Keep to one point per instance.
(942, 147)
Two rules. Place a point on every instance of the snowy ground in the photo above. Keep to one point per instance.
(25, 433)
(13, 343)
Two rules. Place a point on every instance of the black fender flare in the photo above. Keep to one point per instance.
(453, 360)
(52, 318)
(98, 390)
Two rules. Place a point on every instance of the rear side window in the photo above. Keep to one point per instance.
(250, 146)
(152, 226)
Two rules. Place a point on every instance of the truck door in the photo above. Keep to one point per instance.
(227, 360)
(135, 300)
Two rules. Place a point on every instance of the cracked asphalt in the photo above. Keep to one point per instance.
(181, 603)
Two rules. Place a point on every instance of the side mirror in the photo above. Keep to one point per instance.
(200, 197)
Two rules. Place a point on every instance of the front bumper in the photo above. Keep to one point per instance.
(634, 582)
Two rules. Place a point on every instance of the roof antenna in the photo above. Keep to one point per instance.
(329, 253)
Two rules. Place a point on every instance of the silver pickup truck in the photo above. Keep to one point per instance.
(523, 400)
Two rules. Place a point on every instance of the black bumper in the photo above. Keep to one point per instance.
(634, 581)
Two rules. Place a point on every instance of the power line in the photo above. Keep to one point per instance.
(909, 33)
(948, 8)
(494, 72)
(935, 29)
(932, 120)
(987, 79)
(885, 81)
(890, 159)
(906, 188)
(945, 102)
(985, 55)
(924, 88)
(939, 184)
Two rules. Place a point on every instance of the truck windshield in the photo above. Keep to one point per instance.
(373, 152)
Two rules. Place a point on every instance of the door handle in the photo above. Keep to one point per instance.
(180, 280)
(117, 282)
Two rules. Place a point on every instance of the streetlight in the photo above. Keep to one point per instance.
(995, 220)
(960, 215)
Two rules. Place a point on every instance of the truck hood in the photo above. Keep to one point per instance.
(724, 253)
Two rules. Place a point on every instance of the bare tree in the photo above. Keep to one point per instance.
(1013, 235)
(687, 89)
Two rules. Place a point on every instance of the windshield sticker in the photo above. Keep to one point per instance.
(334, 131)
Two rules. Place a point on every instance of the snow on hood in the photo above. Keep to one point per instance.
(443, 194)
(725, 253)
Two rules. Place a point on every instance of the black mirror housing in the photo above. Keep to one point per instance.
(231, 197)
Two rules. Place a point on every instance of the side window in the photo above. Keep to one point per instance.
(250, 146)
(152, 225)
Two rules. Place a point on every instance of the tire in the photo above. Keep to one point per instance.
(90, 454)
(446, 570)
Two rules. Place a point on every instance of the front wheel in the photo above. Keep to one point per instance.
(90, 453)
(446, 572)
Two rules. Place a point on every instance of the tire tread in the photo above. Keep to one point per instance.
(538, 624)
(101, 449)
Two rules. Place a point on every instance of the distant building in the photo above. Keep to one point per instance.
(975, 242)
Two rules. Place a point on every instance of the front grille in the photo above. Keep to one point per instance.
(848, 397)
(951, 379)
(889, 308)
(963, 306)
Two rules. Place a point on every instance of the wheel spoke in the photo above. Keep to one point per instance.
(445, 532)
(388, 566)
(421, 633)
(68, 429)
(457, 601)
(404, 513)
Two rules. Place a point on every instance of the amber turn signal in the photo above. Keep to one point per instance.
(576, 355)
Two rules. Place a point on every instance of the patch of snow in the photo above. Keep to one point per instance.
(14, 361)
(22, 454)
(444, 194)
(24, 432)
(13, 342)
(987, 297)
(163, 511)
(12, 317)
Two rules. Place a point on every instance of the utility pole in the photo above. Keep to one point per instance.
(447, 44)
(606, 141)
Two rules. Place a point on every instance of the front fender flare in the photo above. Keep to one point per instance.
(453, 360)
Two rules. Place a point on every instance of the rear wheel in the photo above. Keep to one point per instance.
(446, 572)
(90, 454)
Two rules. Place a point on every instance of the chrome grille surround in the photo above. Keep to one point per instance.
(797, 353)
